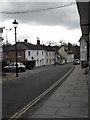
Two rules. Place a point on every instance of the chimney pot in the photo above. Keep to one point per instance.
(25, 40)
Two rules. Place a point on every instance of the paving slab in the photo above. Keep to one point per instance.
(79, 98)
(47, 111)
(70, 100)
(63, 94)
(57, 98)
(79, 105)
(56, 104)
(78, 112)
(81, 94)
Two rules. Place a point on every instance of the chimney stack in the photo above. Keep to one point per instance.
(38, 41)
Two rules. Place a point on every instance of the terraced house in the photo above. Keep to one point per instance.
(43, 55)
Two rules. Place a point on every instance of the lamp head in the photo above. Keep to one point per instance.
(15, 24)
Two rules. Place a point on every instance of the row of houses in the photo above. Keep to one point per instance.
(41, 54)
(84, 12)
(83, 9)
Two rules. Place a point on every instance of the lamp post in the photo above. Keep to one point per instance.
(15, 24)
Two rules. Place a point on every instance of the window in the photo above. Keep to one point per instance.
(19, 53)
(28, 53)
(12, 64)
(50, 61)
(53, 53)
(37, 52)
(42, 52)
(46, 53)
(50, 53)
(47, 60)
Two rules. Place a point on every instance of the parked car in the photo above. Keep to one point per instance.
(62, 63)
(76, 62)
(12, 67)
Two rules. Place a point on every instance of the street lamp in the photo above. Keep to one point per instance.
(15, 24)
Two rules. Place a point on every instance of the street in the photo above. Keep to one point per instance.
(45, 59)
(18, 93)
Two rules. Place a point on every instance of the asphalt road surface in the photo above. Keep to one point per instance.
(18, 93)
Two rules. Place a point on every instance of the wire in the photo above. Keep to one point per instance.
(39, 10)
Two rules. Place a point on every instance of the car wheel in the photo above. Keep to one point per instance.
(4, 70)
(24, 70)
(21, 70)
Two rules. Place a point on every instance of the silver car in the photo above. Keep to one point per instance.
(12, 67)
(76, 62)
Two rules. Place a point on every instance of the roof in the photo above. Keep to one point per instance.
(83, 8)
(29, 46)
(47, 48)
(23, 46)
(56, 48)
(84, 37)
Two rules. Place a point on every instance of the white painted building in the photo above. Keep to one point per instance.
(42, 57)
(83, 50)
(37, 55)
(49, 57)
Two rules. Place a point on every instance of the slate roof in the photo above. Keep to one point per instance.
(47, 48)
(29, 46)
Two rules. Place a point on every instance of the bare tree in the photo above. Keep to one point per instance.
(50, 43)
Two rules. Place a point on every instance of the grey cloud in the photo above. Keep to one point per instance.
(66, 16)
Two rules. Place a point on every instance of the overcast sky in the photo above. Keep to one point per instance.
(36, 19)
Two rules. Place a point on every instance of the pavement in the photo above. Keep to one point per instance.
(69, 100)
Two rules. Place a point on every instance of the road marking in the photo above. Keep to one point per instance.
(22, 111)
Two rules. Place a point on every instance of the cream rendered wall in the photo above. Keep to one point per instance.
(50, 56)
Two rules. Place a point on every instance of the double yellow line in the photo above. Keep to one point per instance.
(28, 106)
